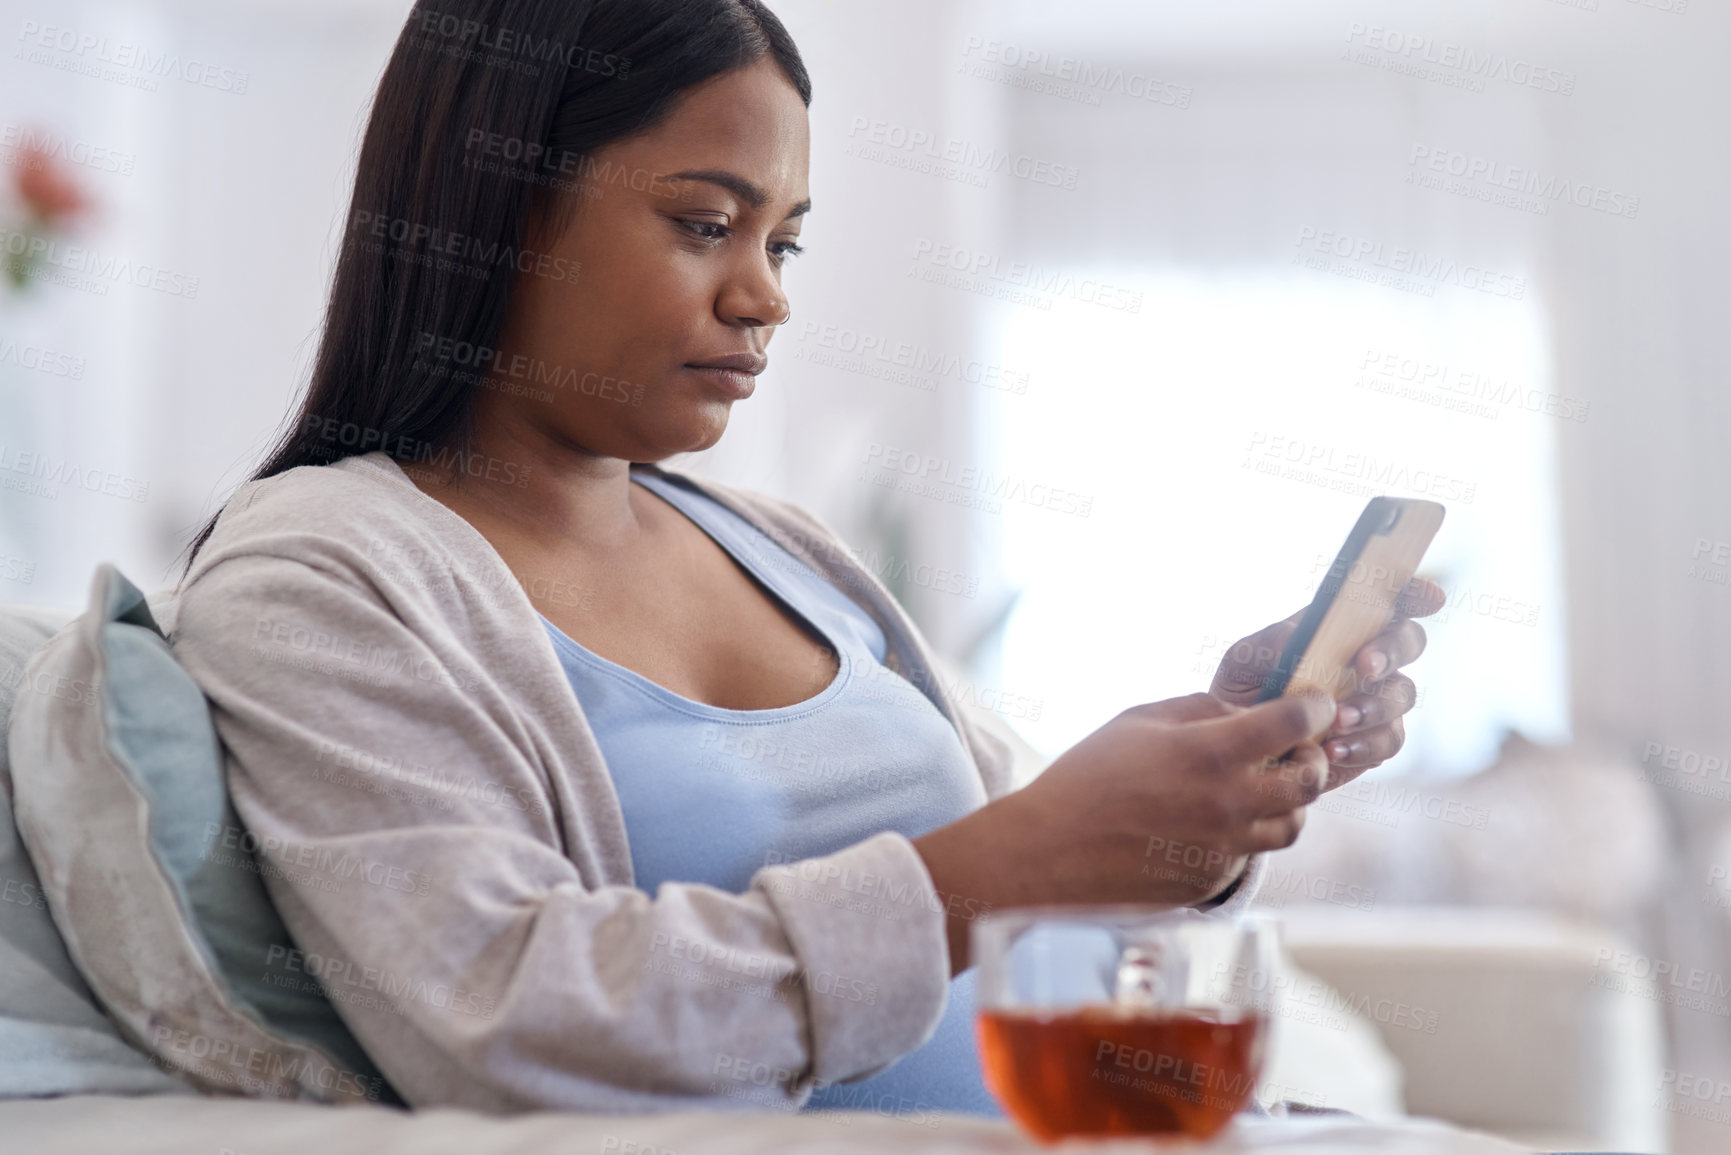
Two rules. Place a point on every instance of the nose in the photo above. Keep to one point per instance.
(752, 295)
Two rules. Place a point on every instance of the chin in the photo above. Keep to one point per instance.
(715, 422)
(698, 434)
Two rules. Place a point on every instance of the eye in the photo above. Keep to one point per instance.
(714, 231)
(698, 228)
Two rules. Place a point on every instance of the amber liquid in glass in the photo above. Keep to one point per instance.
(1104, 1070)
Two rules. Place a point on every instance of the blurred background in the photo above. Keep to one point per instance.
(1113, 315)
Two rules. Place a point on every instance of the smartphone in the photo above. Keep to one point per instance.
(1356, 600)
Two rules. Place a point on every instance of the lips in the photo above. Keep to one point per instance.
(749, 363)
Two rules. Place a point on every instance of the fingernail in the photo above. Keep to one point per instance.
(1378, 663)
(1337, 751)
(1349, 717)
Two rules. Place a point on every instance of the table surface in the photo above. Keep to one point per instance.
(178, 1124)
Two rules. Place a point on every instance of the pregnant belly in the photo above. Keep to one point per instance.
(942, 1074)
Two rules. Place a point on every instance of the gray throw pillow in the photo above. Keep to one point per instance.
(122, 803)
(54, 1037)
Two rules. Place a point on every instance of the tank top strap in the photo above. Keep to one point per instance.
(814, 597)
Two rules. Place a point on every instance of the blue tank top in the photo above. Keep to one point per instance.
(712, 795)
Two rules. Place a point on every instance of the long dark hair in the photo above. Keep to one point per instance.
(539, 83)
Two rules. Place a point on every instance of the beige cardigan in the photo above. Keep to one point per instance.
(385, 691)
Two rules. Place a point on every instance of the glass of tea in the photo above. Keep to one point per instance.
(1122, 1020)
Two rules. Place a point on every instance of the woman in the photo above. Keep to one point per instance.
(688, 818)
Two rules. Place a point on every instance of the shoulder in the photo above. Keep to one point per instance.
(360, 518)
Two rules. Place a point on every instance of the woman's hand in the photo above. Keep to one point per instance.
(1163, 804)
(1367, 729)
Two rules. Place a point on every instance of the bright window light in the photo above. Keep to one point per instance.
(1229, 433)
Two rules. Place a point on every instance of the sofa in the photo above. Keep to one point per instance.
(1521, 1048)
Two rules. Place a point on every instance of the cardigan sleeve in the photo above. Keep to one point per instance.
(414, 847)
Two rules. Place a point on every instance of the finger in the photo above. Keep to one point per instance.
(1394, 696)
(1275, 833)
(1271, 728)
(1339, 776)
(1243, 667)
(1399, 645)
(1419, 598)
(1287, 784)
(1367, 748)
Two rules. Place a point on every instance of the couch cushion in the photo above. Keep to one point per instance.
(122, 804)
(54, 1037)
(114, 1126)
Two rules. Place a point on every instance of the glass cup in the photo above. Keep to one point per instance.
(1121, 1020)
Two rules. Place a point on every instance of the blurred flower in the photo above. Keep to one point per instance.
(51, 198)
(49, 192)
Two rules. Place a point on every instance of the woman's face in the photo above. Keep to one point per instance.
(677, 270)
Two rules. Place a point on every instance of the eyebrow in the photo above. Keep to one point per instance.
(740, 187)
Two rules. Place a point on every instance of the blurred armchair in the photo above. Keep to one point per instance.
(1515, 1022)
